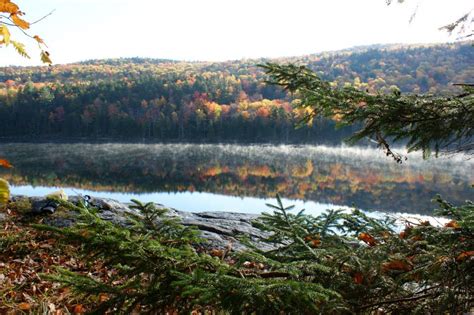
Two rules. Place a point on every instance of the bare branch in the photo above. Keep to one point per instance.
(44, 17)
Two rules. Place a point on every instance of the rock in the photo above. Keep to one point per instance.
(16, 198)
(219, 229)
(43, 206)
(113, 211)
(224, 228)
(226, 223)
(58, 221)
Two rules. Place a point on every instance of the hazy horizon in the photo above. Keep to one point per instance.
(213, 31)
(362, 47)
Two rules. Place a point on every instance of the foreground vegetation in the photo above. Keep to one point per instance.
(334, 263)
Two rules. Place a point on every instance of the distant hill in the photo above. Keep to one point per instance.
(217, 101)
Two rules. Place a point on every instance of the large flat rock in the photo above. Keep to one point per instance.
(219, 229)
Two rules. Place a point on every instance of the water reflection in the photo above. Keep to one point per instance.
(339, 176)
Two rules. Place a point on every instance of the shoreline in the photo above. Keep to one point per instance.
(219, 229)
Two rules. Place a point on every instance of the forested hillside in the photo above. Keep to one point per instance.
(166, 100)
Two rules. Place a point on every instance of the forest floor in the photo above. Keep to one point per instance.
(27, 257)
(30, 257)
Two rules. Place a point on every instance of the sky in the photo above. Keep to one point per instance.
(217, 30)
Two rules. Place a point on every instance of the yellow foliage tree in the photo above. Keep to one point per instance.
(11, 16)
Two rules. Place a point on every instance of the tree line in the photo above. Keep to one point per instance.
(166, 100)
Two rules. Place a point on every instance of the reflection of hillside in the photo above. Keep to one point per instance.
(338, 176)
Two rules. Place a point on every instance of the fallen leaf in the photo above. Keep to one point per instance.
(313, 240)
(398, 265)
(465, 255)
(367, 238)
(78, 309)
(103, 297)
(248, 264)
(358, 278)
(417, 238)
(216, 253)
(452, 224)
(52, 308)
(24, 306)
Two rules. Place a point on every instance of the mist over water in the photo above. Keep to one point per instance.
(228, 177)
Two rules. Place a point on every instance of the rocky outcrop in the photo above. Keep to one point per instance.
(219, 229)
(222, 229)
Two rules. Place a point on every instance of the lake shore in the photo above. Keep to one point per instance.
(221, 230)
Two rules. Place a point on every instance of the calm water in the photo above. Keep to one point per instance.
(239, 178)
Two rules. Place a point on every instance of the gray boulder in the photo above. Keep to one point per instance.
(221, 230)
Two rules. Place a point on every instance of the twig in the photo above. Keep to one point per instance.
(274, 274)
(44, 17)
(464, 84)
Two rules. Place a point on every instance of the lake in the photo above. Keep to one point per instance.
(210, 177)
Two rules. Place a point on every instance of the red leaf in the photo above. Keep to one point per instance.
(358, 278)
(24, 306)
(315, 243)
(399, 265)
(78, 309)
(216, 253)
(465, 255)
(103, 297)
(417, 238)
(452, 224)
(5, 163)
(367, 238)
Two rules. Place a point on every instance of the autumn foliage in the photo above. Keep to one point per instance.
(27, 256)
(14, 18)
(5, 163)
(166, 100)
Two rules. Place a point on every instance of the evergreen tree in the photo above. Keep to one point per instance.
(424, 122)
(334, 263)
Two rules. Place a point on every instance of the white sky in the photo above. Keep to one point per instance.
(226, 29)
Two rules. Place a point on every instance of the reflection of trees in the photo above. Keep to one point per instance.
(236, 170)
